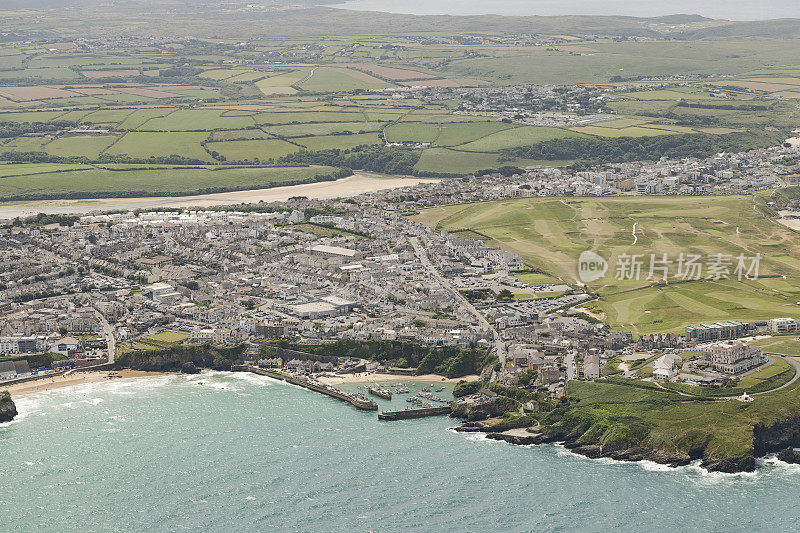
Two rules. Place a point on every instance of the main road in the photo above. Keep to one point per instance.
(422, 255)
(108, 333)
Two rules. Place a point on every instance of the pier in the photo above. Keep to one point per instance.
(380, 393)
(406, 414)
(364, 404)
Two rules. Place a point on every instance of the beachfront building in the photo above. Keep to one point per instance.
(67, 346)
(733, 357)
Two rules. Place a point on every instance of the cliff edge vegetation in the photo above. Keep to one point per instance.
(635, 420)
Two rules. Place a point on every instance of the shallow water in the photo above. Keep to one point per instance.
(236, 452)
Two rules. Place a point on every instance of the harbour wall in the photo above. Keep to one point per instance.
(367, 405)
(406, 414)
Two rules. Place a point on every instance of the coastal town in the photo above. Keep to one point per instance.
(308, 272)
(359, 265)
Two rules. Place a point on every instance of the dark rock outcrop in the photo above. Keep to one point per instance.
(521, 440)
(7, 408)
(468, 411)
(776, 437)
(189, 368)
(730, 465)
(789, 455)
(632, 453)
(471, 427)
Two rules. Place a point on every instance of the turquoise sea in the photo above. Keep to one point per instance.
(239, 452)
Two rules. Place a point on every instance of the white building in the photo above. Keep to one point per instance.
(591, 366)
(733, 357)
(666, 367)
(783, 325)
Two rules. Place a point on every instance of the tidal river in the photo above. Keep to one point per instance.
(239, 452)
(358, 183)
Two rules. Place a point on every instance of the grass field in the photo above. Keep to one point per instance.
(510, 138)
(327, 79)
(146, 144)
(326, 142)
(550, 234)
(100, 182)
(632, 131)
(300, 130)
(451, 161)
(457, 133)
(167, 338)
(300, 117)
(80, 145)
(412, 132)
(674, 423)
(261, 149)
(607, 59)
(784, 344)
(23, 169)
(196, 120)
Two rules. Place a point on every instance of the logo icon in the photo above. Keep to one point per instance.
(591, 266)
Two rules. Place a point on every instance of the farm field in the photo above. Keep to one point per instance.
(334, 79)
(606, 59)
(90, 146)
(509, 138)
(147, 144)
(22, 169)
(342, 142)
(94, 182)
(447, 161)
(252, 150)
(327, 128)
(273, 95)
(550, 234)
(196, 120)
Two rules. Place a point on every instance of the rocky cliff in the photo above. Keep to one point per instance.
(7, 408)
(482, 411)
(776, 437)
(186, 359)
(781, 437)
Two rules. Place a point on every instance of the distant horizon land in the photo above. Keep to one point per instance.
(711, 9)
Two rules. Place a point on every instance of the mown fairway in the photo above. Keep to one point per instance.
(550, 234)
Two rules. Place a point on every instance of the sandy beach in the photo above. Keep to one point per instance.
(358, 183)
(793, 223)
(84, 378)
(78, 378)
(365, 377)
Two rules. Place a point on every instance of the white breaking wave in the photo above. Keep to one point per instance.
(693, 470)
